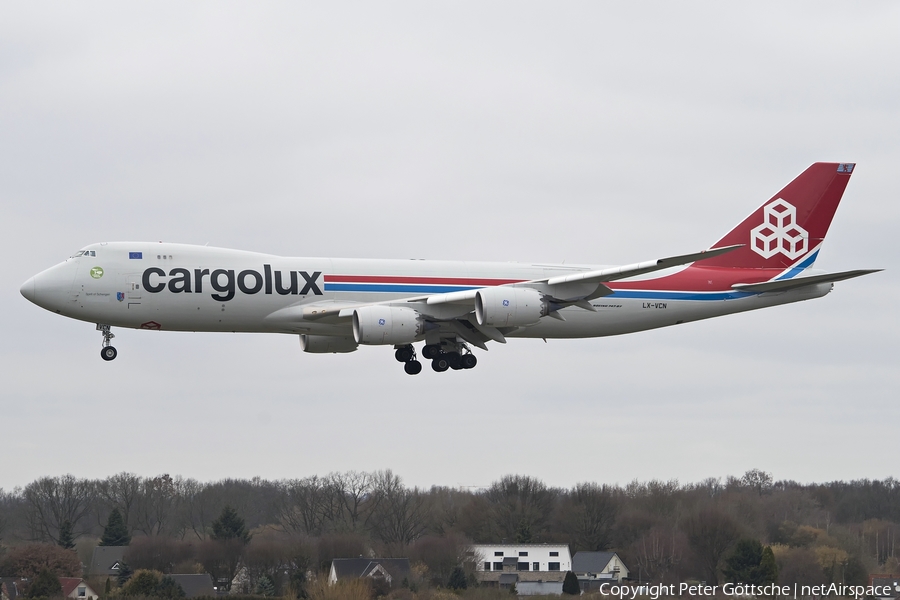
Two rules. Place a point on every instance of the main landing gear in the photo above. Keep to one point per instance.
(107, 352)
(445, 356)
(449, 356)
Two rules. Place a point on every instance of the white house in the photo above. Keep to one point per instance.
(522, 557)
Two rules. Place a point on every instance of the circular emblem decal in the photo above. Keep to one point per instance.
(97, 272)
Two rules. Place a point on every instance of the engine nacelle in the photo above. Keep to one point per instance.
(509, 306)
(327, 344)
(381, 325)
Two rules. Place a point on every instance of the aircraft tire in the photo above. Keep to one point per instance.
(431, 352)
(404, 354)
(108, 353)
(455, 360)
(413, 367)
(440, 364)
(469, 361)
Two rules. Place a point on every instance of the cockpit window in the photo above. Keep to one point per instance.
(85, 253)
(77, 254)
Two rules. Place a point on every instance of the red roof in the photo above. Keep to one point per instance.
(69, 584)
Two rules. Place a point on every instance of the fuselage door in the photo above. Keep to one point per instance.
(133, 289)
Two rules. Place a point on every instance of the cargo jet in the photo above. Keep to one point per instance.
(337, 304)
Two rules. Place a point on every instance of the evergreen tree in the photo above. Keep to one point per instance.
(265, 587)
(108, 588)
(116, 532)
(768, 570)
(168, 588)
(66, 540)
(45, 585)
(457, 579)
(570, 584)
(523, 532)
(230, 526)
(743, 566)
(125, 573)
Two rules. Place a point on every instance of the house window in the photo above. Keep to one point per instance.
(498, 566)
(498, 554)
(523, 554)
(487, 566)
(82, 591)
(522, 567)
(554, 554)
(536, 566)
(553, 566)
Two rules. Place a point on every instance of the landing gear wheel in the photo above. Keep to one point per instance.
(413, 367)
(107, 352)
(455, 360)
(468, 361)
(440, 364)
(431, 351)
(404, 354)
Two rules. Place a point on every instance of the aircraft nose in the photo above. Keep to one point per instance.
(27, 290)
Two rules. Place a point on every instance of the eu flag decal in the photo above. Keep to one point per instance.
(136, 255)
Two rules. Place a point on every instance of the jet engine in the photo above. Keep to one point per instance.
(327, 344)
(509, 306)
(378, 325)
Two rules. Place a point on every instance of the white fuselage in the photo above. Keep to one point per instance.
(195, 288)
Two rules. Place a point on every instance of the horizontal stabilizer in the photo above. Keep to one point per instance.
(782, 285)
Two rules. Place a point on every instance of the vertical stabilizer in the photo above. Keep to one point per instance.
(788, 229)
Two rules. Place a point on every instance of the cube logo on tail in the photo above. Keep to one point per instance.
(779, 232)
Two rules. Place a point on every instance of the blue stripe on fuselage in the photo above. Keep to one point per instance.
(799, 267)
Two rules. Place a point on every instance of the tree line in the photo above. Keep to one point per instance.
(665, 531)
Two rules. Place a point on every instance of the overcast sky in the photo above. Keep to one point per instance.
(592, 132)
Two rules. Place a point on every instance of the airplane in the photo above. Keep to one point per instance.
(336, 304)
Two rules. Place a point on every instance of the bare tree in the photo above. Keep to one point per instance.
(52, 501)
(711, 533)
(157, 504)
(353, 487)
(398, 513)
(587, 514)
(521, 507)
(120, 491)
(301, 503)
(758, 480)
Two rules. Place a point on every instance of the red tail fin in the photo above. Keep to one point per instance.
(790, 227)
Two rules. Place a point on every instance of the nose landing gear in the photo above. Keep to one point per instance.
(107, 352)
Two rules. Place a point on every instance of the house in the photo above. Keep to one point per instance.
(595, 568)
(195, 586)
(527, 562)
(390, 570)
(886, 583)
(107, 560)
(77, 589)
(12, 588)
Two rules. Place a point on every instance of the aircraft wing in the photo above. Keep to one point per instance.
(782, 285)
(589, 284)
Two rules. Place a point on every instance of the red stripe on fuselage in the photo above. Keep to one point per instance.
(418, 280)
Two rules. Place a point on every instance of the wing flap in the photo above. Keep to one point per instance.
(783, 285)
